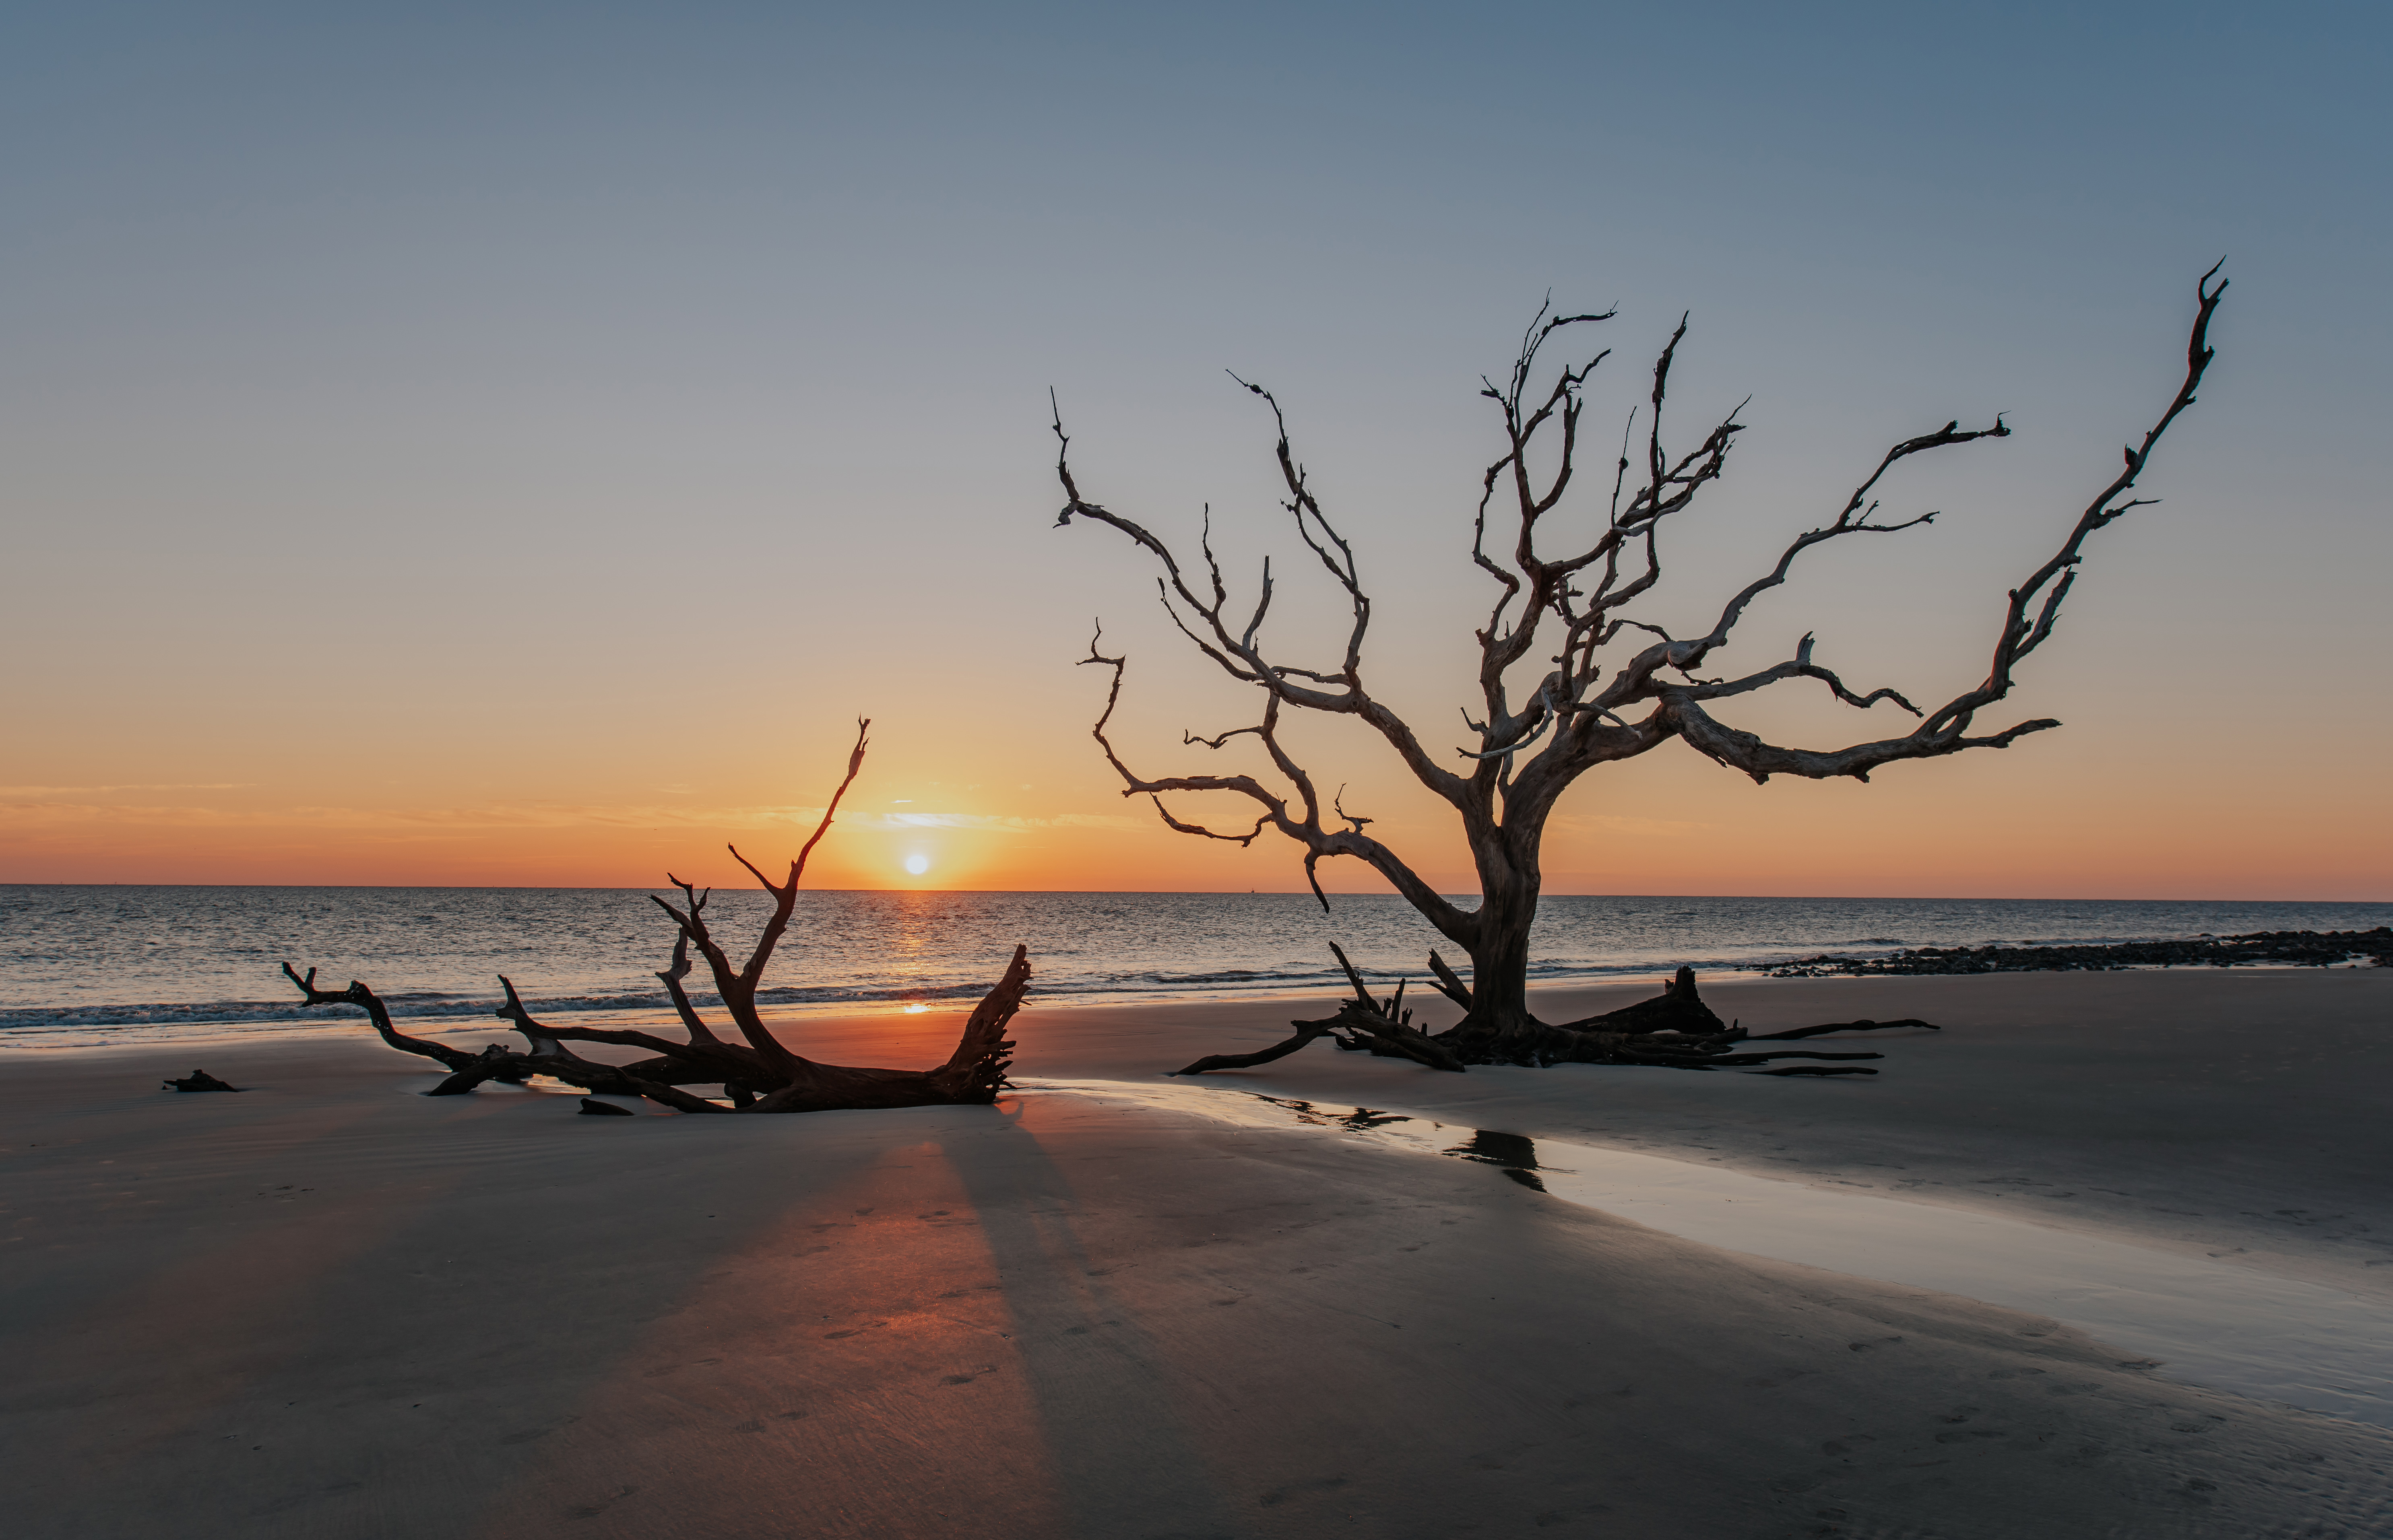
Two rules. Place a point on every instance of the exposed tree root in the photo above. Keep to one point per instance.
(1864, 1025)
(1673, 1030)
(1363, 1023)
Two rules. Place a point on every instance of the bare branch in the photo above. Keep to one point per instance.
(365, 999)
(1239, 652)
(1177, 826)
(1799, 667)
(785, 893)
(1945, 730)
(1852, 519)
(1303, 826)
(670, 978)
(1449, 983)
(736, 987)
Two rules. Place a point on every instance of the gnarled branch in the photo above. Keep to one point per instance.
(762, 1076)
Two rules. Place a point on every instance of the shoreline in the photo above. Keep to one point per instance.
(1911, 963)
(90, 970)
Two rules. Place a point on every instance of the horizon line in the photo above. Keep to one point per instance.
(1215, 893)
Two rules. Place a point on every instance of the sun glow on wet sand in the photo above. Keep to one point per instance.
(918, 865)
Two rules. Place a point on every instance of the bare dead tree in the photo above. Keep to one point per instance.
(759, 1073)
(1569, 679)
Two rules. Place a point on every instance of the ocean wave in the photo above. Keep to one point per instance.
(1060, 981)
(210, 1013)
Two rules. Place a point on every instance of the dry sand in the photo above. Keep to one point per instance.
(330, 1307)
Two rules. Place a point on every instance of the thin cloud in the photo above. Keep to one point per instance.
(51, 815)
(106, 790)
(1611, 823)
(994, 825)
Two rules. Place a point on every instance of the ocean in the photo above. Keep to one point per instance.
(92, 966)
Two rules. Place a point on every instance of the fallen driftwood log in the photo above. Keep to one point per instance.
(758, 1072)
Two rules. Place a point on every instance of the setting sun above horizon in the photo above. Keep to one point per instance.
(918, 864)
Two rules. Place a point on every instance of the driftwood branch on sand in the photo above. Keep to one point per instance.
(758, 1072)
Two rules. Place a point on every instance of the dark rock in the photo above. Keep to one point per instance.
(199, 1079)
(593, 1107)
(2279, 948)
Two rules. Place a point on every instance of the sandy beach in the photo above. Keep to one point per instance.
(331, 1307)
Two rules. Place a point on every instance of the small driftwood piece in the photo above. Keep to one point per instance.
(199, 1079)
(1305, 1033)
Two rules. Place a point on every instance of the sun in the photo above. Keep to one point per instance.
(918, 864)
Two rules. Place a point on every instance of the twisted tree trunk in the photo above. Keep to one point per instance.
(1497, 1027)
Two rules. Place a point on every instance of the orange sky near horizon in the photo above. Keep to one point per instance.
(524, 751)
(275, 741)
(2041, 820)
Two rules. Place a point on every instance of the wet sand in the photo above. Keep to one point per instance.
(331, 1306)
(2241, 1114)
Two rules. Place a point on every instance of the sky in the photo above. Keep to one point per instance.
(511, 445)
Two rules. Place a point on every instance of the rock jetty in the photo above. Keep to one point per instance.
(2273, 948)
